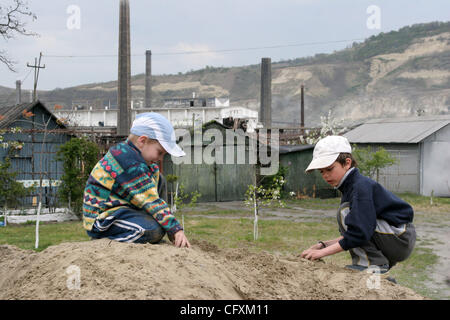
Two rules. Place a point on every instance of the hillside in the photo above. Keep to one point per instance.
(399, 73)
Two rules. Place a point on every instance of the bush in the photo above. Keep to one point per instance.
(79, 157)
(10, 190)
(370, 162)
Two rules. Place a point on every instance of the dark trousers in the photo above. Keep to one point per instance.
(387, 246)
(128, 225)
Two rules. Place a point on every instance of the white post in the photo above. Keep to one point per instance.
(255, 223)
(4, 215)
(36, 244)
(175, 203)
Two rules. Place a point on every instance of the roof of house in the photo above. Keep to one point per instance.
(397, 130)
(9, 114)
(295, 148)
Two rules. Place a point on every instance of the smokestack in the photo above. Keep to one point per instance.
(265, 114)
(124, 79)
(148, 79)
(18, 92)
(302, 108)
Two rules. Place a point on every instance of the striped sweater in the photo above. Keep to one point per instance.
(122, 178)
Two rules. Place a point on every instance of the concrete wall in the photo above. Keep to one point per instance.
(435, 169)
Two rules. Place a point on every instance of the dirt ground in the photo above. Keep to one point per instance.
(438, 237)
(436, 234)
(104, 269)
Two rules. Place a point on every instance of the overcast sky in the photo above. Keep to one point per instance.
(295, 28)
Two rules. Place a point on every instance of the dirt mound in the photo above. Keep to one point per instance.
(104, 269)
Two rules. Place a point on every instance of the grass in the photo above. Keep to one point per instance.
(412, 272)
(24, 236)
(275, 236)
(423, 203)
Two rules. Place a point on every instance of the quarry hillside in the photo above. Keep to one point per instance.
(394, 74)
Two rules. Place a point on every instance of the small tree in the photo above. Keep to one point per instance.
(329, 126)
(79, 157)
(265, 192)
(370, 162)
(10, 191)
(178, 198)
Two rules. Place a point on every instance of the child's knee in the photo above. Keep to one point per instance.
(154, 235)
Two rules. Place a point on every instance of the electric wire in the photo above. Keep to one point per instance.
(201, 51)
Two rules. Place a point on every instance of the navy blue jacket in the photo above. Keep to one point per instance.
(369, 201)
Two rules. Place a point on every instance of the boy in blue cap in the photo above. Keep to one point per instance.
(375, 225)
(121, 200)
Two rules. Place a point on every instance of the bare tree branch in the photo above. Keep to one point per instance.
(12, 22)
(9, 63)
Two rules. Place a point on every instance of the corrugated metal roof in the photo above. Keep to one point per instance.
(397, 130)
(9, 114)
(295, 148)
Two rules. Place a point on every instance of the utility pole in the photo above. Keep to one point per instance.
(302, 109)
(36, 67)
(265, 113)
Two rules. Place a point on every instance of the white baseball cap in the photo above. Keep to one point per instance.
(327, 150)
(155, 126)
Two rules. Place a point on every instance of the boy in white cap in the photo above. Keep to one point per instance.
(375, 225)
(121, 200)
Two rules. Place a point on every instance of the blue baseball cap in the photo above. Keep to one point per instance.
(157, 127)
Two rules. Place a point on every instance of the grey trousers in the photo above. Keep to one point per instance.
(387, 246)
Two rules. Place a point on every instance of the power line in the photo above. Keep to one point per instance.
(203, 51)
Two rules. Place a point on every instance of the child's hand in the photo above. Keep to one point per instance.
(312, 254)
(180, 240)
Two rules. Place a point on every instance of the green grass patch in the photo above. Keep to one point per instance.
(427, 204)
(24, 236)
(236, 213)
(412, 273)
(281, 236)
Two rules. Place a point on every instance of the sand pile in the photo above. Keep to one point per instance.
(104, 269)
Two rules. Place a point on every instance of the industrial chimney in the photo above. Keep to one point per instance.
(18, 92)
(124, 78)
(265, 114)
(302, 108)
(148, 79)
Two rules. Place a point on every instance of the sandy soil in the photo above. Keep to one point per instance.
(435, 234)
(113, 270)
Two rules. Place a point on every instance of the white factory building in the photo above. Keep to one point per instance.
(180, 112)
